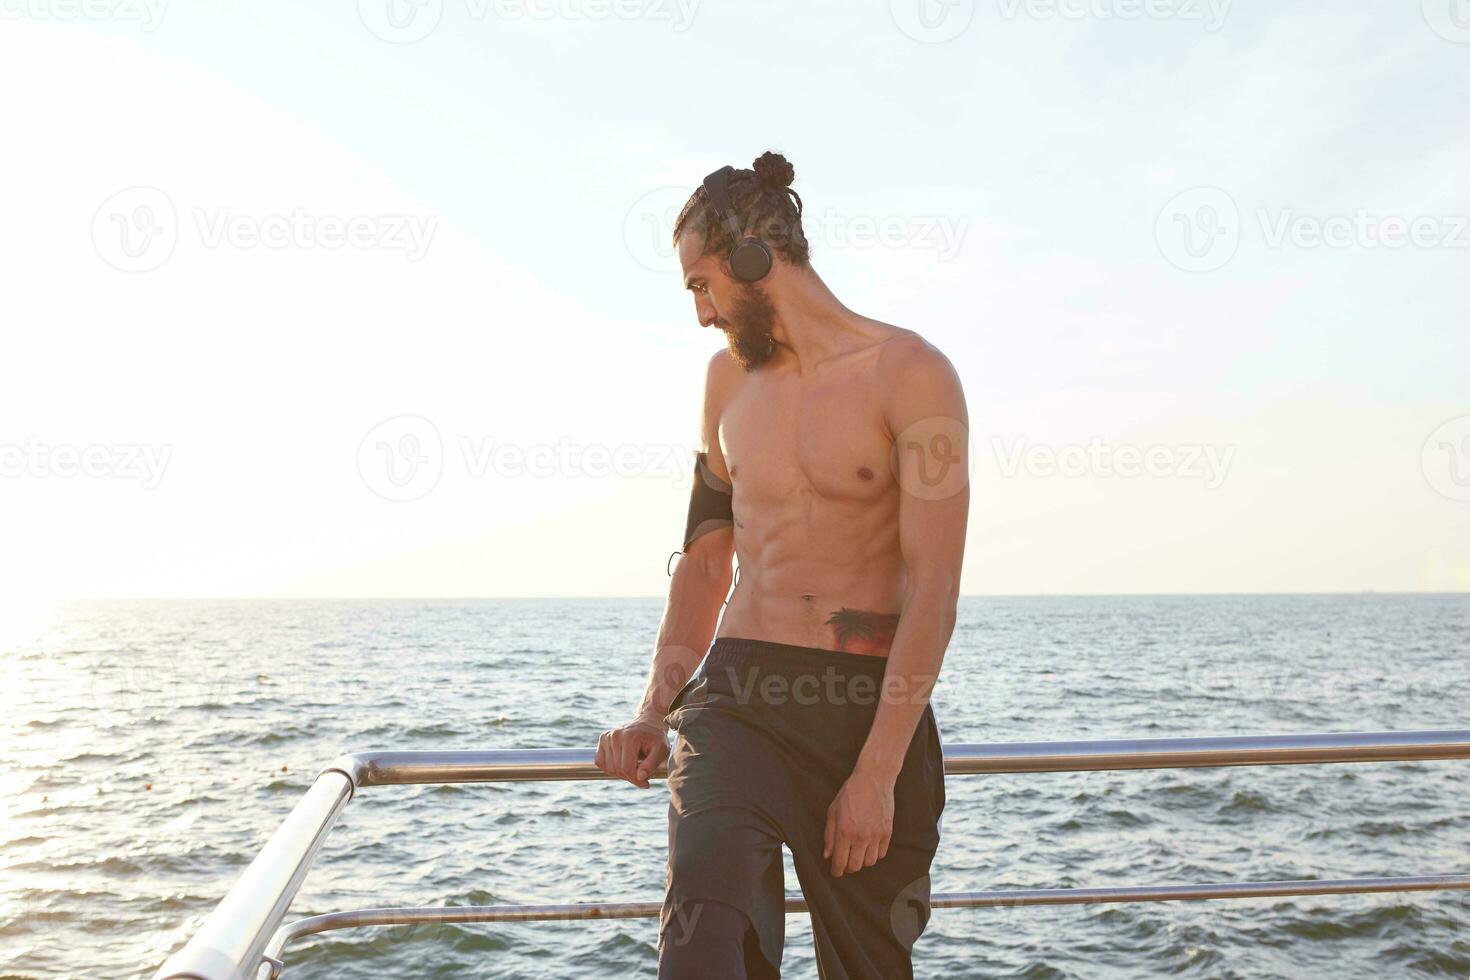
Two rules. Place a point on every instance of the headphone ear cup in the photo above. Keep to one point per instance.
(750, 260)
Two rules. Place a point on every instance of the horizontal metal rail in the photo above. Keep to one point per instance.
(445, 915)
(244, 935)
(963, 759)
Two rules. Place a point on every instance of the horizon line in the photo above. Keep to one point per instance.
(564, 597)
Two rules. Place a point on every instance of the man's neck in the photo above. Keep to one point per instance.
(812, 324)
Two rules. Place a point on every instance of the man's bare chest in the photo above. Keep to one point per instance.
(786, 438)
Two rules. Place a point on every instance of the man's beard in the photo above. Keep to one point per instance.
(749, 329)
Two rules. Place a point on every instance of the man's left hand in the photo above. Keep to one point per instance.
(859, 823)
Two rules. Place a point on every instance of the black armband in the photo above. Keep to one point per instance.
(710, 502)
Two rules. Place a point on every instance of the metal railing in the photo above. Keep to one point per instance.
(243, 938)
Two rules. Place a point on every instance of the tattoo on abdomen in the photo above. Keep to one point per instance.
(860, 631)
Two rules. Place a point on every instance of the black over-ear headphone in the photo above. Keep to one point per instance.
(750, 258)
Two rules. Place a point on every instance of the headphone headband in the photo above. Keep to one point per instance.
(717, 195)
(750, 259)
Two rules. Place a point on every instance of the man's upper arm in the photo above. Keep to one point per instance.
(924, 408)
(720, 379)
(719, 383)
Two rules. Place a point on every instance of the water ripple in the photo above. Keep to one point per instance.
(150, 749)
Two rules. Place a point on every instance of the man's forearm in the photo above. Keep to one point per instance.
(924, 627)
(691, 616)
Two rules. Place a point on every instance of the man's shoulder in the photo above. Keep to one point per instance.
(721, 364)
(722, 378)
(722, 374)
(908, 358)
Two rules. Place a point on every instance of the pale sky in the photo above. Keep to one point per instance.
(370, 300)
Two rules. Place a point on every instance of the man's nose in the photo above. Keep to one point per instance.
(705, 310)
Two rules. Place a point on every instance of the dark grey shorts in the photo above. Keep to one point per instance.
(766, 735)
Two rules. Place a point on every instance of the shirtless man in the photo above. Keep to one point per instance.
(808, 722)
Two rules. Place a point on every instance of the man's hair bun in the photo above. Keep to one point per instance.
(774, 169)
(764, 204)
